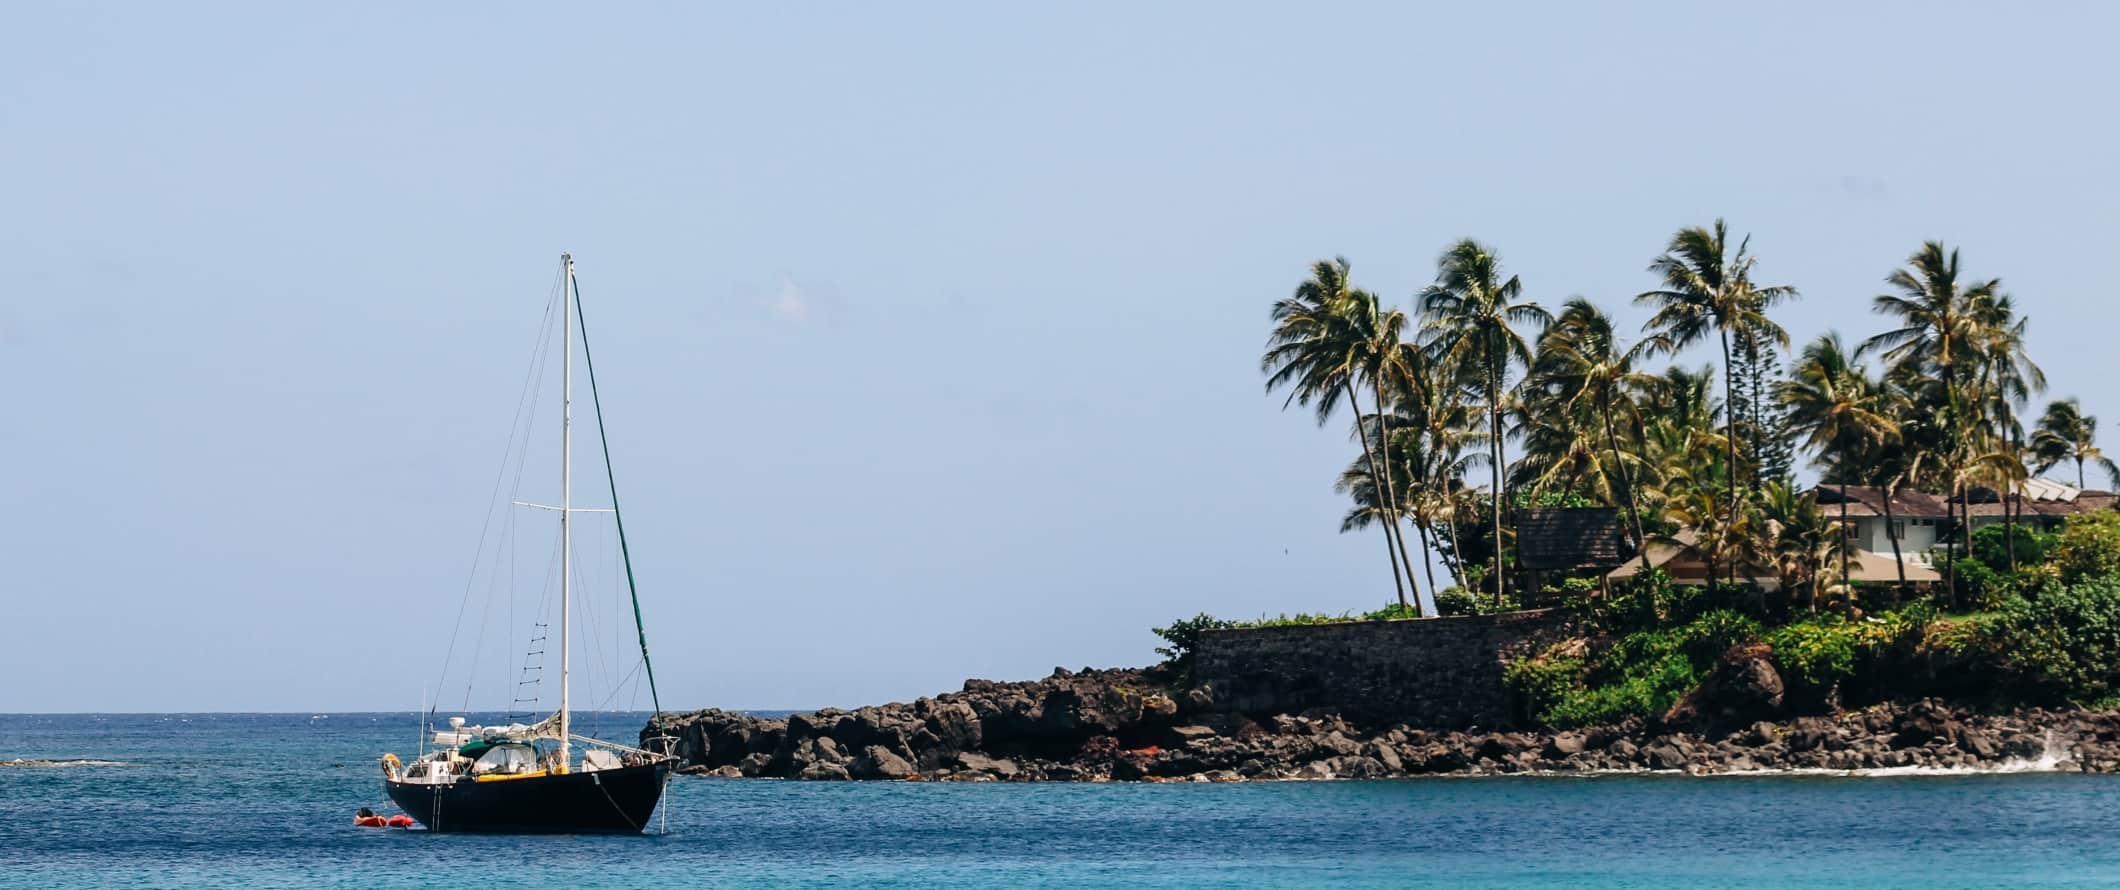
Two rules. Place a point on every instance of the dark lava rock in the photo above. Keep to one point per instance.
(1134, 726)
(878, 762)
(1664, 755)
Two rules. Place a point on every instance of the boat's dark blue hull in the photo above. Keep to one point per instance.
(612, 801)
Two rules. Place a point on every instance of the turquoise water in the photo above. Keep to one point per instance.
(267, 800)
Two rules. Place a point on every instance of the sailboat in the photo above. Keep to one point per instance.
(524, 778)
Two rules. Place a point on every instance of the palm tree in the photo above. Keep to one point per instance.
(1693, 499)
(1582, 367)
(1841, 410)
(1433, 429)
(1469, 317)
(1934, 311)
(1707, 288)
(2005, 381)
(2065, 433)
(1370, 507)
(1800, 544)
(1386, 360)
(1318, 348)
(1942, 326)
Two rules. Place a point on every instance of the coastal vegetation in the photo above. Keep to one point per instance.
(1497, 404)
(1484, 396)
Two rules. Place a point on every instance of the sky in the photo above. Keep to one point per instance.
(928, 333)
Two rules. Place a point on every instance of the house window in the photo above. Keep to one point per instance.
(1899, 529)
(1848, 531)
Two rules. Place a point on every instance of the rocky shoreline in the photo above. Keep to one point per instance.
(1134, 725)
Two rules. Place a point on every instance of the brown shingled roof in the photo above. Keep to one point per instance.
(1568, 538)
(1868, 500)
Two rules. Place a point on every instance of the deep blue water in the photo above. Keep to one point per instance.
(226, 800)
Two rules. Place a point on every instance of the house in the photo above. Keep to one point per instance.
(1919, 519)
(1680, 561)
(2042, 503)
(1923, 521)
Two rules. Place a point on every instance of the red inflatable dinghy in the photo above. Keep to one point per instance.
(368, 819)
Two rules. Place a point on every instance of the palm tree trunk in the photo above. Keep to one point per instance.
(1626, 478)
(1950, 542)
(1494, 424)
(1455, 562)
(2079, 471)
(2009, 524)
(1391, 493)
(1847, 583)
(2013, 501)
(1730, 435)
(1420, 530)
(1891, 532)
(1391, 554)
(1362, 429)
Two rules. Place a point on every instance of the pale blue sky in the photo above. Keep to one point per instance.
(929, 331)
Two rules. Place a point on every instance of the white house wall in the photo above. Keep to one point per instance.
(1920, 536)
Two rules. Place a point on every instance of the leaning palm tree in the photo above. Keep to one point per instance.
(1842, 412)
(1470, 318)
(1317, 350)
(1384, 360)
(1433, 431)
(1708, 289)
(1583, 368)
(1942, 321)
(1371, 506)
(2065, 433)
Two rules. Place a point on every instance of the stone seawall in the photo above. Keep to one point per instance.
(1441, 672)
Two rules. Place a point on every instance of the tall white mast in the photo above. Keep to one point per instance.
(566, 495)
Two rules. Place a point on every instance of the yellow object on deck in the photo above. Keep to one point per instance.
(494, 777)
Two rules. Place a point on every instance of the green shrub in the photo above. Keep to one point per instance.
(1816, 653)
(1641, 675)
(2066, 642)
(1992, 544)
(1959, 637)
(1649, 689)
(1455, 600)
(1709, 636)
(1981, 587)
(1545, 680)
(1820, 651)
(1392, 612)
(1183, 635)
(2088, 548)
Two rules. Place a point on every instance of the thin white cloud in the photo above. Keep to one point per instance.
(791, 302)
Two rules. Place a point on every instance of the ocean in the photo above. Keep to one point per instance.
(267, 800)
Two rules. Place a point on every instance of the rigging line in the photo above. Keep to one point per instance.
(604, 440)
(498, 474)
(622, 681)
(508, 549)
(544, 601)
(593, 664)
